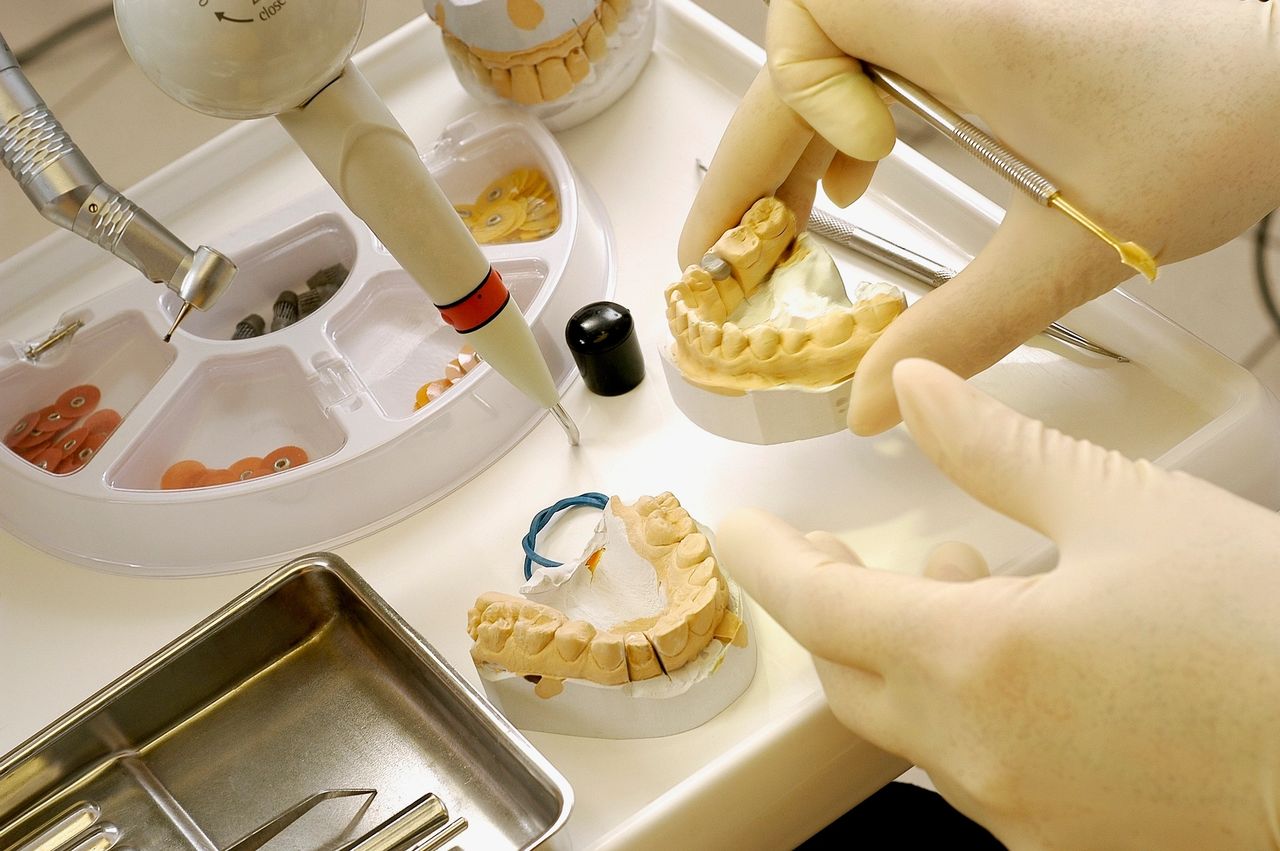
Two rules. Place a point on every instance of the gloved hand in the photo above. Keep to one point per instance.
(1156, 117)
(1127, 699)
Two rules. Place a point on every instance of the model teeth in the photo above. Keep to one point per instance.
(703, 573)
(532, 639)
(533, 636)
(833, 328)
(708, 336)
(607, 652)
(763, 340)
(782, 314)
(733, 341)
(572, 639)
(543, 72)
(670, 638)
(642, 662)
(704, 614)
(693, 549)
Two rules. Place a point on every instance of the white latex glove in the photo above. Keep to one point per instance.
(1130, 698)
(1156, 117)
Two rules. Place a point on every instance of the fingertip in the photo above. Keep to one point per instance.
(956, 561)
(917, 381)
(873, 407)
(833, 547)
(847, 179)
(737, 533)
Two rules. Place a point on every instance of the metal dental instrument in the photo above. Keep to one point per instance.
(259, 837)
(916, 266)
(1003, 161)
(66, 190)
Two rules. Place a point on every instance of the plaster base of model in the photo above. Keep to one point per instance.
(775, 415)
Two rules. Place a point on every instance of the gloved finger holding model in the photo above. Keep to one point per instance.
(1155, 118)
(1127, 699)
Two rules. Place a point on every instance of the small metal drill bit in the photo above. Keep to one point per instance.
(177, 320)
(285, 311)
(252, 325)
(56, 336)
(312, 300)
(329, 276)
(566, 423)
(716, 266)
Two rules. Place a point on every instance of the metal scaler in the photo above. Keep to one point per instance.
(248, 59)
(66, 190)
(1004, 162)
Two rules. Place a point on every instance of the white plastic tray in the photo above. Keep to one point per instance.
(775, 765)
(340, 383)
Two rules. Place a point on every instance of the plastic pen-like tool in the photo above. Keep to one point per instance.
(376, 169)
(249, 60)
(1003, 161)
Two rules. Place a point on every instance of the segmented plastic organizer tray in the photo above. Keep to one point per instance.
(339, 383)
(196, 747)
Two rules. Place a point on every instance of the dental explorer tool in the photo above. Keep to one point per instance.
(1002, 161)
(916, 266)
(293, 61)
(66, 190)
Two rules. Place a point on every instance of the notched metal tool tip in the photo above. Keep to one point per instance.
(177, 320)
(566, 423)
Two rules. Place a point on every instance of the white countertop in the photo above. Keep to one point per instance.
(775, 766)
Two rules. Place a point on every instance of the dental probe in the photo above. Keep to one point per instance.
(66, 189)
(1002, 161)
(916, 266)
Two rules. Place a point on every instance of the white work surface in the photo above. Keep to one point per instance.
(775, 766)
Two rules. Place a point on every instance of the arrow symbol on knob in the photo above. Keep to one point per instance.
(223, 16)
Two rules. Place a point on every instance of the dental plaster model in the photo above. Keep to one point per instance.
(529, 51)
(646, 599)
(781, 317)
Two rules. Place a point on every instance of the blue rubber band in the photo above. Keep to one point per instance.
(543, 517)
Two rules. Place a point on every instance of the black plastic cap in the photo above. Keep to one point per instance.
(602, 339)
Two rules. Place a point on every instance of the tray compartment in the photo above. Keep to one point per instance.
(308, 682)
(282, 262)
(464, 169)
(395, 340)
(122, 356)
(231, 408)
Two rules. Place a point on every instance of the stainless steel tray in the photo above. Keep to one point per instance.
(306, 682)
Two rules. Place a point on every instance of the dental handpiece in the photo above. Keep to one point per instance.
(247, 59)
(66, 189)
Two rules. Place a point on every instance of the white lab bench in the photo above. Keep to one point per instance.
(775, 766)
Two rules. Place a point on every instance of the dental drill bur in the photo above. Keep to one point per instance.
(64, 187)
(931, 273)
(1002, 161)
